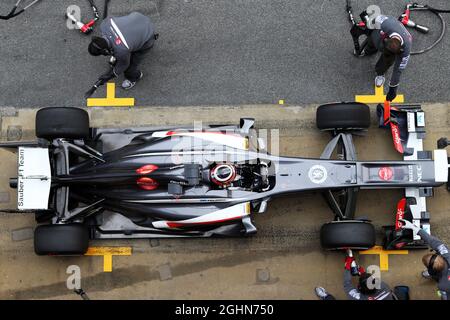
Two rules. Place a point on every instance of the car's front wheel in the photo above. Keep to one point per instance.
(61, 239)
(343, 116)
(347, 234)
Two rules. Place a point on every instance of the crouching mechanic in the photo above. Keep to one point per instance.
(391, 38)
(369, 288)
(437, 264)
(126, 39)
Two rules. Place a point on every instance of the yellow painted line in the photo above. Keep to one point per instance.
(108, 253)
(110, 100)
(378, 97)
(107, 263)
(115, 251)
(384, 255)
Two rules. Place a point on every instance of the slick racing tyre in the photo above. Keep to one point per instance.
(348, 234)
(61, 239)
(343, 116)
(62, 122)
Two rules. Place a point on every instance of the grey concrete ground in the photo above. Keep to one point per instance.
(282, 261)
(214, 53)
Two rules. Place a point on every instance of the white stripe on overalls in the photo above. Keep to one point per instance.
(116, 28)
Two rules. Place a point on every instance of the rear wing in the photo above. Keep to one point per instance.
(33, 178)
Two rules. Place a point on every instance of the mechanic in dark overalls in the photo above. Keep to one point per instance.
(363, 291)
(391, 38)
(437, 264)
(126, 39)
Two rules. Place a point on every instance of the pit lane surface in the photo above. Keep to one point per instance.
(214, 53)
(283, 260)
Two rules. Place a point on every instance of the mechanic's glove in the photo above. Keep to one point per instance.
(392, 93)
(361, 270)
(410, 226)
(348, 263)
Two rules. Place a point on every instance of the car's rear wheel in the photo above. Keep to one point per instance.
(62, 122)
(351, 234)
(343, 116)
(61, 239)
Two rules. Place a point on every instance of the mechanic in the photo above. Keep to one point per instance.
(391, 38)
(364, 291)
(127, 40)
(437, 264)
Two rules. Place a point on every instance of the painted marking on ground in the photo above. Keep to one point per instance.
(108, 253)
(384, 255)
(378, 97)
(110, 100)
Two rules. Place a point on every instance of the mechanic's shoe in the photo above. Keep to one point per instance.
(127, 84)
(426, 274)
(379, 81)
(321, 292)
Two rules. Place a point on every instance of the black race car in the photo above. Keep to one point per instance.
(101, 183)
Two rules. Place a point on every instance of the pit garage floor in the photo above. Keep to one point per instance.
(282, 261)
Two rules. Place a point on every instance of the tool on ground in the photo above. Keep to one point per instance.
(82, 294)
(94, 88)
(405, 18)
(358, 29)
(14, 13)
(88, 27)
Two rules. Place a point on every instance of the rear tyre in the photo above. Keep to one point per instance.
(62, 122)
(351, 234)
(61, 239)
(343, 116)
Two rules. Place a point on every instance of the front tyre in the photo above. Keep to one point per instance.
(343, 116)
(347, 234)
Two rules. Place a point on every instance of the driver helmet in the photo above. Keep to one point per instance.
(223, 174)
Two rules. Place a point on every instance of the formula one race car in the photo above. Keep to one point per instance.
(100, 183)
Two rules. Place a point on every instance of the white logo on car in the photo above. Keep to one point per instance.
(318, 174)
(419, 173)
